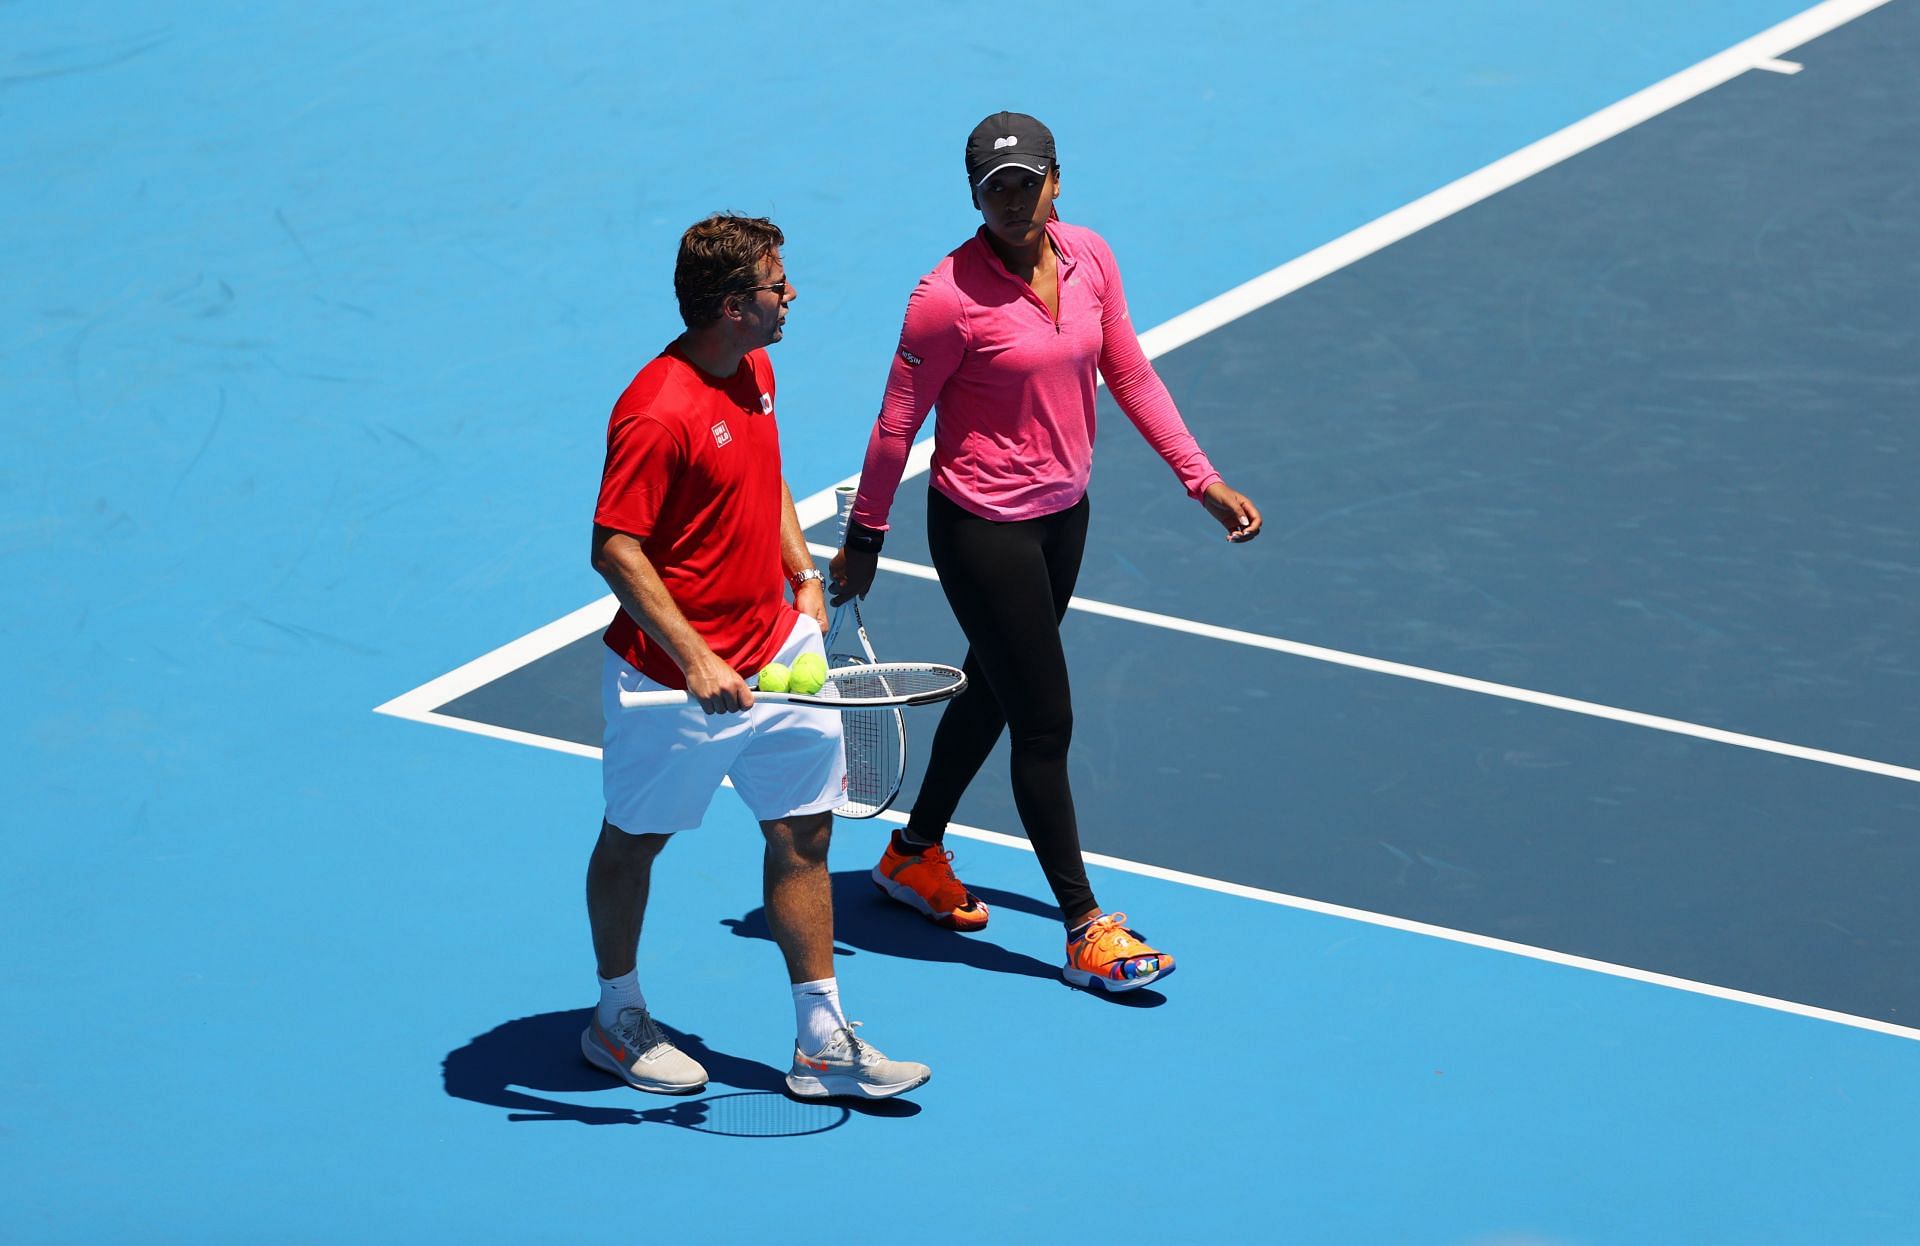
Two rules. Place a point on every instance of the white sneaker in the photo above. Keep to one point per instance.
(635, 1051)
(848, 1066)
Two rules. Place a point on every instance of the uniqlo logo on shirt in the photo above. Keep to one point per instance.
(720, 434)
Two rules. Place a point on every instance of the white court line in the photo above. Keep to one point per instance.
(417, 704)
(1780, 67)
(1260, 894)
(1505, 172)
(492, 732)
(1464, 683)
(1444, 932)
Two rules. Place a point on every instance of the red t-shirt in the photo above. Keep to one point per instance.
(693, 473)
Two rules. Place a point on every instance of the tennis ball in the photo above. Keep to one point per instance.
(774, 677)
(809, 673)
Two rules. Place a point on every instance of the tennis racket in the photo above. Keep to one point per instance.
(876, 739)
(880, 686)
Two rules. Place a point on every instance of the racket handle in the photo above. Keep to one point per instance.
(656, 699)
(843, 497)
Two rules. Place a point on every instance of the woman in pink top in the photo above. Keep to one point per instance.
(1004, 339)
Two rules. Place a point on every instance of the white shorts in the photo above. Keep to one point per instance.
(660, 767)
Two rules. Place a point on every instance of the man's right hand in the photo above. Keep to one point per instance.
(851, 573)
(717, 686)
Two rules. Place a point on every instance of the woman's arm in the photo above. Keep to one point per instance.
(932, 342)
(1143, 396)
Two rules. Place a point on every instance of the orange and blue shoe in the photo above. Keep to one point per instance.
(1110, 957)
(924, 882)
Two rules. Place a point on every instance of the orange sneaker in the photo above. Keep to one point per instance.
(1111, 957)
(925, 883)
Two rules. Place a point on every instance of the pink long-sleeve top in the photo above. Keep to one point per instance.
(1015, 388)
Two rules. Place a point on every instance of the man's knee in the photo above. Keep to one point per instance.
(629, 849)
(805, 837)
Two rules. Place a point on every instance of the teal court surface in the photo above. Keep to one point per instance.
(1534, 808)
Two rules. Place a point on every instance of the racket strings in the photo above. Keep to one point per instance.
(855, 682)
(872, 744)
(875, 739)
(875, 745)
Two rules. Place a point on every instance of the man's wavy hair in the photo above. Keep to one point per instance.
(718, 257)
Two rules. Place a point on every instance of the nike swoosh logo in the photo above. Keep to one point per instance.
(606, 1040)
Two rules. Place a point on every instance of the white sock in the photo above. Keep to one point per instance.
(816, 1012)
(618, 993)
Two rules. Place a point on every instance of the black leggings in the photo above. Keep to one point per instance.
(1008, 584)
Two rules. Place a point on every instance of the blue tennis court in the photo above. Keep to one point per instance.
(1533, 807)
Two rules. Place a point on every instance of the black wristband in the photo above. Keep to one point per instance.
(866, 540)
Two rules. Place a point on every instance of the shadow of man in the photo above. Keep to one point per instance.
(516, 1064)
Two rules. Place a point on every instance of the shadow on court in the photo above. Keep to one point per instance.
(866, 921)
(515, 1064)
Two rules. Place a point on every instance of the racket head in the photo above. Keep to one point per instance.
(876, 739)
(876, 753)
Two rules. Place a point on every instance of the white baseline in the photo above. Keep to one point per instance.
(1464, 683)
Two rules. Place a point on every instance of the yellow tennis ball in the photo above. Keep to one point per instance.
(774, 677)
(809, 673)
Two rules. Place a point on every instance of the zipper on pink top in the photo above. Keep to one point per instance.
(1033, 296)
(1042, 303)
(1059, 286)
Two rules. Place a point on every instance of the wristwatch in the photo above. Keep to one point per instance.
(798, 578)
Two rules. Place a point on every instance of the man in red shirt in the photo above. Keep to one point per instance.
(695, 531)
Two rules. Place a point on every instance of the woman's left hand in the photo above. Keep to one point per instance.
(1236, 514)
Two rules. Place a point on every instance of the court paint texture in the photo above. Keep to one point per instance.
(314, 325)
